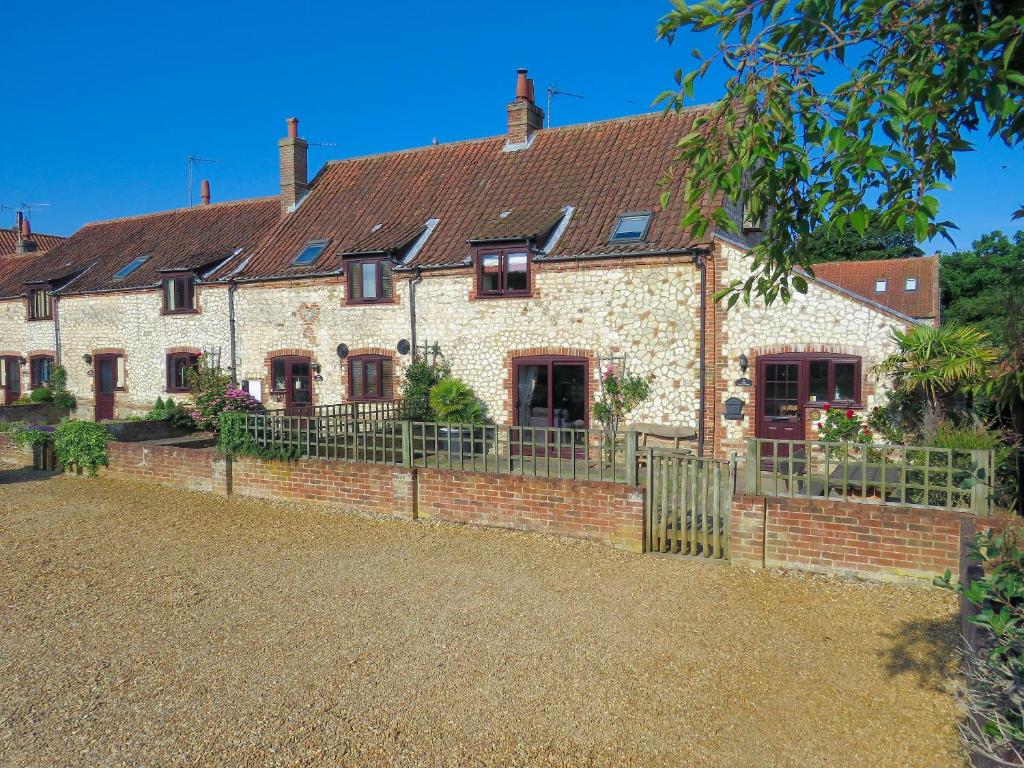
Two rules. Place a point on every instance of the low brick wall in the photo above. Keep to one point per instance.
(605, 512)
(376, 488)
(193, 469)
(877, 541)
(12, 454)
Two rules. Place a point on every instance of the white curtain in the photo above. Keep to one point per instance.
(527, 381)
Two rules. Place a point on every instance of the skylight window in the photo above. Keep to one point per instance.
(130, 267)
(881, 285)
(631, 227)
(910, 284)
(310, 253)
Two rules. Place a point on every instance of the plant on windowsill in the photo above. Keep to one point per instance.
(81, 446)
(621, 394)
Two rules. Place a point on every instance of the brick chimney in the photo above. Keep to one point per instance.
(25, 242)
(293, 166)
(524, 116)
(204, 192)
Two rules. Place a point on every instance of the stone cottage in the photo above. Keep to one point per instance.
(532, 259)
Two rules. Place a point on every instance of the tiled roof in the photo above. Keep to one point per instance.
(600, 169)
(861, 277)
(183, 238)
(9, 241)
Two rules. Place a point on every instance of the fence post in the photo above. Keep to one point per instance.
(753, 468)
(406, 443)
(649, 502)
(981, 494)
(632, 472)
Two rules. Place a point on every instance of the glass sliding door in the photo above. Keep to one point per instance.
(551, 401)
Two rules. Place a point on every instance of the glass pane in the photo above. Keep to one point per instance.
(818, 384)
(631, 227)
(844, 375)
(373, 379)
(278, 375)
(169, 295)
(14, 376)
(310, 253)
(301, 385)
(180, 299)
(570, 393)
(106, 372)
(517, 278)
(44, 369)
(369, 270)
(532, 396)
(490, 273)
(782, 390)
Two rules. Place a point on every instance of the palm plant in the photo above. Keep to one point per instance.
(933, 361)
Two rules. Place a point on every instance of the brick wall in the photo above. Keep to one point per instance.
(194, 469)
(373, 488)
(605, 512)
(876, 541)
(12, 454)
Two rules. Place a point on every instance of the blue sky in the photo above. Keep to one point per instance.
(104, 102)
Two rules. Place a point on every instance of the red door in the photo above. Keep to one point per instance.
(12, 378)
(779, 406)
(298, 393)
(106, 384)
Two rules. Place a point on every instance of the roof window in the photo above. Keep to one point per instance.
(130, 267)
(310, 253)
(631, 227)
(881, 285)
(910, 284)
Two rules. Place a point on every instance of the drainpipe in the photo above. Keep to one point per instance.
(412, 308)
(232, 286)
(701, 262)
(56, 329)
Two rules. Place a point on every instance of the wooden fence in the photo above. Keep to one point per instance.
(687, 504)
(943, 478)
(382, 410)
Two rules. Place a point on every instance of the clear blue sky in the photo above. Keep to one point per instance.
(104, 101)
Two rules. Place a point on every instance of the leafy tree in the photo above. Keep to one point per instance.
(933, 361)
(836, 107)
(831, 243)
(979, 285)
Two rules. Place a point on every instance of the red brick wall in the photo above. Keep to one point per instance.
(831, 536)
(605, 512)
(12, 454)
(373, 488)
(195, 469)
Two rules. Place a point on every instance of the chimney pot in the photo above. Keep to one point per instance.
(522, 85)
(524, 116)
(293, 127)
(204, 192)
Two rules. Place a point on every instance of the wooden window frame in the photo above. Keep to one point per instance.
(804, 360)
(383, 297)
(34, 381)
(550, 361)
(45, 292)
(503, 253)
(191, 357)
(363, 397)
(173, 277)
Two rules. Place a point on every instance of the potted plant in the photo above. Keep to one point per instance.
(455, 403)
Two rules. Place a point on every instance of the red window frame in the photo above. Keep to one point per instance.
(190, 359)
(503, 254)
(189, 291)
(32, 314)
(358, 386)
(385, 282)
(35, 374)
(804, 360)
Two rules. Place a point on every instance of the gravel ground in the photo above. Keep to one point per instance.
(141, 626)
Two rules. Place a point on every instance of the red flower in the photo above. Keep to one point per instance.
(818, 425)
(849, 414)
(826, 408)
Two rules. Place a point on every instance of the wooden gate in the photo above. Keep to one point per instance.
(687, 504)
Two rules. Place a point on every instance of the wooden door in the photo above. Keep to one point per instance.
(298, 393)
(106, 384)
(12, 378)
(779, 403)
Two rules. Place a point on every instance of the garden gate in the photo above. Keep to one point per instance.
(687, 503)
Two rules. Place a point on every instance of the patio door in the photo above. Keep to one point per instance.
(10, 377)
(106, 381)
(551, 400)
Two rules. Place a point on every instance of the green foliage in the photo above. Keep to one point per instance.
(58, 386)
(420, 377)
(25, 435)
(895, 421)
(977, 284)
(621, 394)
(453, 401)
(842, 426)
(212, 395)
(41, 395)
(81, 445)
(967, 437)
(170, 411)
(831, 243)
(994, 699)
(235, 441)
(836, 108)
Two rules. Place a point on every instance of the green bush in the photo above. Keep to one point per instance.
(58, 387)
(420, 377)
(81, 445)
(41, 395)
(235, 441)
(25, 435)
(452, 400)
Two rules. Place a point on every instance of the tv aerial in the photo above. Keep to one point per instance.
(555, 91)
(194, 161)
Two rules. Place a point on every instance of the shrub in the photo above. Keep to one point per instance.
(58, 386)
(452, 400)
(23, 434)
(420, 377)
(81, 445)
(41, 395)
(621, 393)
(235, 441)
(212, 395)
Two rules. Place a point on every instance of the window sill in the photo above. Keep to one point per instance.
(39, 319)
(483, 296)
(835, 404)
(179, 312)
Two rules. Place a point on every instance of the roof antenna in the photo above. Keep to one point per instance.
(554, 91)
(193, 161)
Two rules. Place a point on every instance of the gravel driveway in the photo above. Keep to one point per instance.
(141, 626)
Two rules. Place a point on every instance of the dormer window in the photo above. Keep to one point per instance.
(179, 293)
(40, 306)
(310, 253)
(631, 227)
(503, 272)
(130, 267)
(369, 281)
(881, 285)
(910, 284)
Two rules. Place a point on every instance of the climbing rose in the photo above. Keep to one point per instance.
(826, 408)
(849, 414)
(818, 425)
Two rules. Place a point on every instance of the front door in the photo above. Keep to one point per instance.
(106, 383)
(11, 378)
(298, 393)
(779, 412)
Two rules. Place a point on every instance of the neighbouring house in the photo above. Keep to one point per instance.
(533, 260)
(909, 286)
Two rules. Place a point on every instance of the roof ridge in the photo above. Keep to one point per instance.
(225, 204)
(875, 261)
(502, 136)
